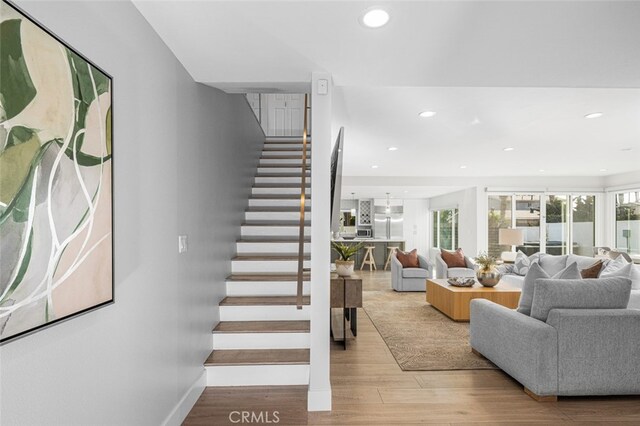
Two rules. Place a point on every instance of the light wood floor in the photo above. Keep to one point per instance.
(370, 389)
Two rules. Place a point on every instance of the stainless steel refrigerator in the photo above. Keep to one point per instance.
(388, 222)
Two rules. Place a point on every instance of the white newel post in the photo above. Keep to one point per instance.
(319, 397)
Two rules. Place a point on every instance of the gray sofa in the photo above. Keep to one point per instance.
(443, 271)
(567, 346)
(583, 262)
(410, 279)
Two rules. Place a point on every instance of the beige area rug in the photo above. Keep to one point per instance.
(418, 335)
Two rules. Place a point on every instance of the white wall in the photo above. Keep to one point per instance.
(416, 225)
(184, 158)
(466, 203)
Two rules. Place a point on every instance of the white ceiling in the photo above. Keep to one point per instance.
(498, 74)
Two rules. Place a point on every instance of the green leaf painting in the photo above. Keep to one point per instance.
(55, 179)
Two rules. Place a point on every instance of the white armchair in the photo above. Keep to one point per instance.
(410, 279)
(443, 271)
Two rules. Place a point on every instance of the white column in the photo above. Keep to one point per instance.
(319, 397)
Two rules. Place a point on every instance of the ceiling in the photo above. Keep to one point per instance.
(499, 74)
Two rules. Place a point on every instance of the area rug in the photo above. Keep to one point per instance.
(419, 336)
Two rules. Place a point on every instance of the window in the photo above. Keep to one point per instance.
(552, 223)
(628, 222)
(445, 229)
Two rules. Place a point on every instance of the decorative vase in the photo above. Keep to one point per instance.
(488, 277)
(344, 268)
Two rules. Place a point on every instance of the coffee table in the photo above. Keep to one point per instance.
(454, 301)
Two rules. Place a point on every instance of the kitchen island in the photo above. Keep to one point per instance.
(379, 254)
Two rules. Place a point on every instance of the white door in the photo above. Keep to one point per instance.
(284, 114)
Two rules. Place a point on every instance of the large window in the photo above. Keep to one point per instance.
(445, 229)
(552, 223)
(628, 222)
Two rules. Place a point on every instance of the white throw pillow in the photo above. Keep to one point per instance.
(522, 263)
(621, 268)
(613, 266)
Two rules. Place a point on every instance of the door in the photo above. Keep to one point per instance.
(284, 114)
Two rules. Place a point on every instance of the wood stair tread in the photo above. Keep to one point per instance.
(288, 148)
(282, 166)
(262, 327)
(292, 174)
(258, 357)
(278, 196)
(269, 239)
(276, 276)
(279, 185)
(284, 157)
(270, 256)
(275, 223)
(263, 301)
(278, 209)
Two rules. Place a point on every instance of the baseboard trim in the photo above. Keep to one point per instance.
(319, 400)
(188, 400)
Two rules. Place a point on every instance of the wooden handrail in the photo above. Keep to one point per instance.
(303, 188)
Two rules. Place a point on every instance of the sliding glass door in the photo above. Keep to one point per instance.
(627, 238)
(583, 226)
(445, 229)
(500, 214)
(557, 241)
(527, 212)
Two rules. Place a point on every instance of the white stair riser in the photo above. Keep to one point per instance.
(296, 161)
(286, 145)
(280, 179)
(260, 202)
(265, 288)
(266, 266)
(275, 215)
(244, 248)
(265, 231)
(261, 340)
(288, 191)
(278, 153)
(264, 313)
(258, 375)
(293, 168)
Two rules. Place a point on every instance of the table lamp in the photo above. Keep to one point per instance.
(510, 237)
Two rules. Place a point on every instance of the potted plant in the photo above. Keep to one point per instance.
(487, 273)
(344, 266)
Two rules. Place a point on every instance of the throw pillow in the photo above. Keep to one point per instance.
(601, 293)
(553, 264)
(453, 259)
(523, 262)
(615, 265)
(592, 271)
(629, 270)
(408, 260)
(536, 272)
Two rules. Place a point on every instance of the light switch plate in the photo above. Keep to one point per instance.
(323, 87)
(183, 243)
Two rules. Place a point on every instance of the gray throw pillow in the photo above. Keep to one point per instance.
(523, 262)
(599, 293)
(536, 272)
(553, 264)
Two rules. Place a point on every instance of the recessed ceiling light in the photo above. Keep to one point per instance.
(594, 115)
(392, 148)
(508, 149)
(375, 18)
(541, 170)
(405, 191)
(427, 114)
(603, 170)
(463, 167)
(627, 149)
(375, 166)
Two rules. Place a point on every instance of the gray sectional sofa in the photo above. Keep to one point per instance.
(583, 262)
(579, 339)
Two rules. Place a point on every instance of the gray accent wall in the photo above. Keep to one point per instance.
(184, 159)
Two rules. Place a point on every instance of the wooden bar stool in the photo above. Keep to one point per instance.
(368, 259)
(392, 251)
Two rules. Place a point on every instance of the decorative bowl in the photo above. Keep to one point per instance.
(462, 281)
(489, 278)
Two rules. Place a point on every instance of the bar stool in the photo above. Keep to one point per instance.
(392, 251)
(368, 259)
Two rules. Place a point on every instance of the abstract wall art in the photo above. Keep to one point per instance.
(56, 217)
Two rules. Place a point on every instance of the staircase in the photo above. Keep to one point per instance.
(262, 338)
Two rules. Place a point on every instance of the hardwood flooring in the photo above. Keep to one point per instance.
(370, 389)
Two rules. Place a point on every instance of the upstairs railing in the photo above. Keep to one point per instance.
(303, 189)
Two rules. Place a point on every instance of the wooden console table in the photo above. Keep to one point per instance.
(346, 293)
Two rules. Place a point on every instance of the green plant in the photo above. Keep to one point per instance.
(485, 261)
(346, 251)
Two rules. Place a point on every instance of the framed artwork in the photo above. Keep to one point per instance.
(56, 199)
